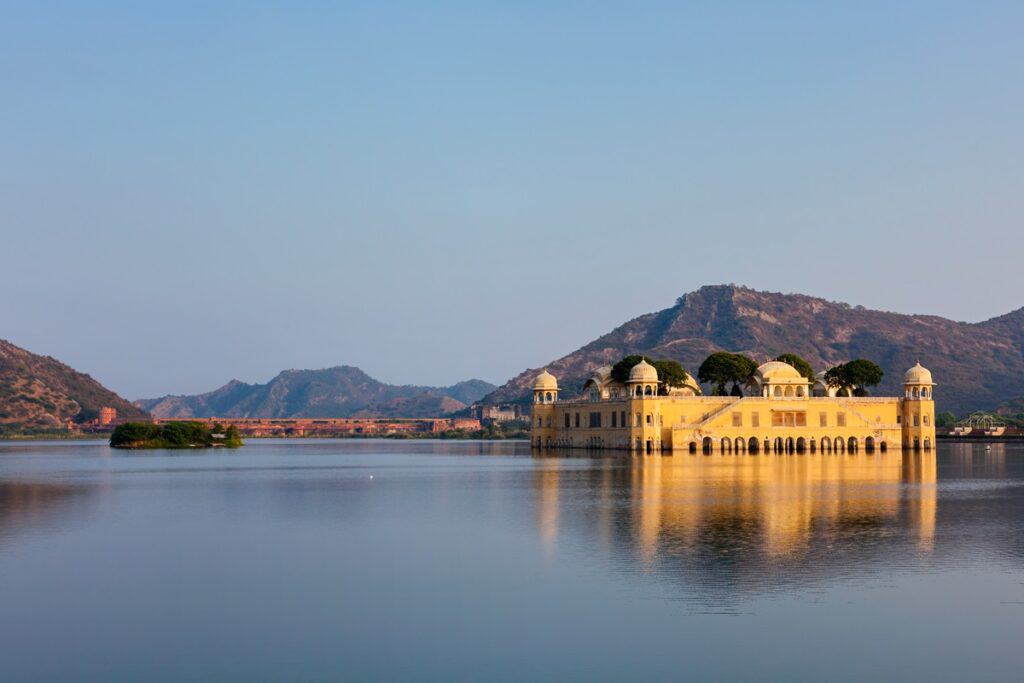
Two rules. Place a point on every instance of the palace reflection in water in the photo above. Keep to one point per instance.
(393, 560)
(735, 522)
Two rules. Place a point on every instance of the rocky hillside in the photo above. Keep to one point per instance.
(976, 365)
(333, 392)
(41, 394)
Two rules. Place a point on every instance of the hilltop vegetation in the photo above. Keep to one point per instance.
(40, 395)
(976, 365)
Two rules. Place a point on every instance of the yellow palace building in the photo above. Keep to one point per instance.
(782, 412)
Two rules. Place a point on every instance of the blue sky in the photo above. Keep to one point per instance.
(192, 192)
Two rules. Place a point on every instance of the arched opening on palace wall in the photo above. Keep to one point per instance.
(869, 444)
(707, 445)
(752, 447)
(840, 445)
(826, 445)
(741, 445)
(852, 447)
(726, 445)
(778, 445)
(693, 448)
(883, 447)
(801, 445)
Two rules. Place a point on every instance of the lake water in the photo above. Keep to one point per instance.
(315, 560)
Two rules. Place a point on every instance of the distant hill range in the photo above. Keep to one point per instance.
(41, 394)
(976, 365)
(342, 391)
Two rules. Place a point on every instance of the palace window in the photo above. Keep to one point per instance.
(823, 419)
(899, 419)
(622, 418)
(614, 420)
(649, 421)
(755, 420)
(915, 420)
(737, 419)
(638, 420)
(595, 420)
(577, 420)
(782, 418)
(567, 420)
(841, 420)
(540, 421)
(925, 419)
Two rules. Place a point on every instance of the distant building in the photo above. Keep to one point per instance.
(106, 416)
(334, 427)
(782, 412)
(506, 412)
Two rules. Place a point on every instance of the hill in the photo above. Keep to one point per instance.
(41, 394)
(342, 391)
(976, 365)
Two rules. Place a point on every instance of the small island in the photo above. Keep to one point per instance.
(146, 435)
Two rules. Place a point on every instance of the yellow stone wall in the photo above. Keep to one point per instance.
(684, 423)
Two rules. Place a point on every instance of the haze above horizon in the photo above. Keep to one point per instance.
(195, 193)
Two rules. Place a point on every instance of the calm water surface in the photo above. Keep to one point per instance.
(380, 560)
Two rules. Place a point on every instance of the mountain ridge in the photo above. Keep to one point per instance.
(339, 391)
(42, 394)
(977, 365)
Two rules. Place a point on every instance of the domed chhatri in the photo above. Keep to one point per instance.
(778, 410)
(777, 370)
(643, 372)
(918, 375)
(545, 381)
(545, 388)
(780, 380)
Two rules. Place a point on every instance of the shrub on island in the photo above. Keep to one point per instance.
(174, 435)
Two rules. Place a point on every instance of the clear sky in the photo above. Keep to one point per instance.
(194, 192)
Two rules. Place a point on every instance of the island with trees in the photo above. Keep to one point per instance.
(174, 435)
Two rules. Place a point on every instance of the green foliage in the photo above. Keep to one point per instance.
(802, 366)
(721, 368)
(134, 432)
(946, 420)
(854, 377)
(670, 374)
(620, 371)
(172, 435)
(232, 439)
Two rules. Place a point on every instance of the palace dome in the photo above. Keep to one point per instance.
(917, 375)
(777, 371)
(643, 372)
(545, 382)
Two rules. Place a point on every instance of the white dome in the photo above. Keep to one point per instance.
(917, 375)
(643, 372)
(545, 382)
(777, 371)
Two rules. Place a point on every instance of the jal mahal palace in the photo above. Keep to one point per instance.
(781, 411)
